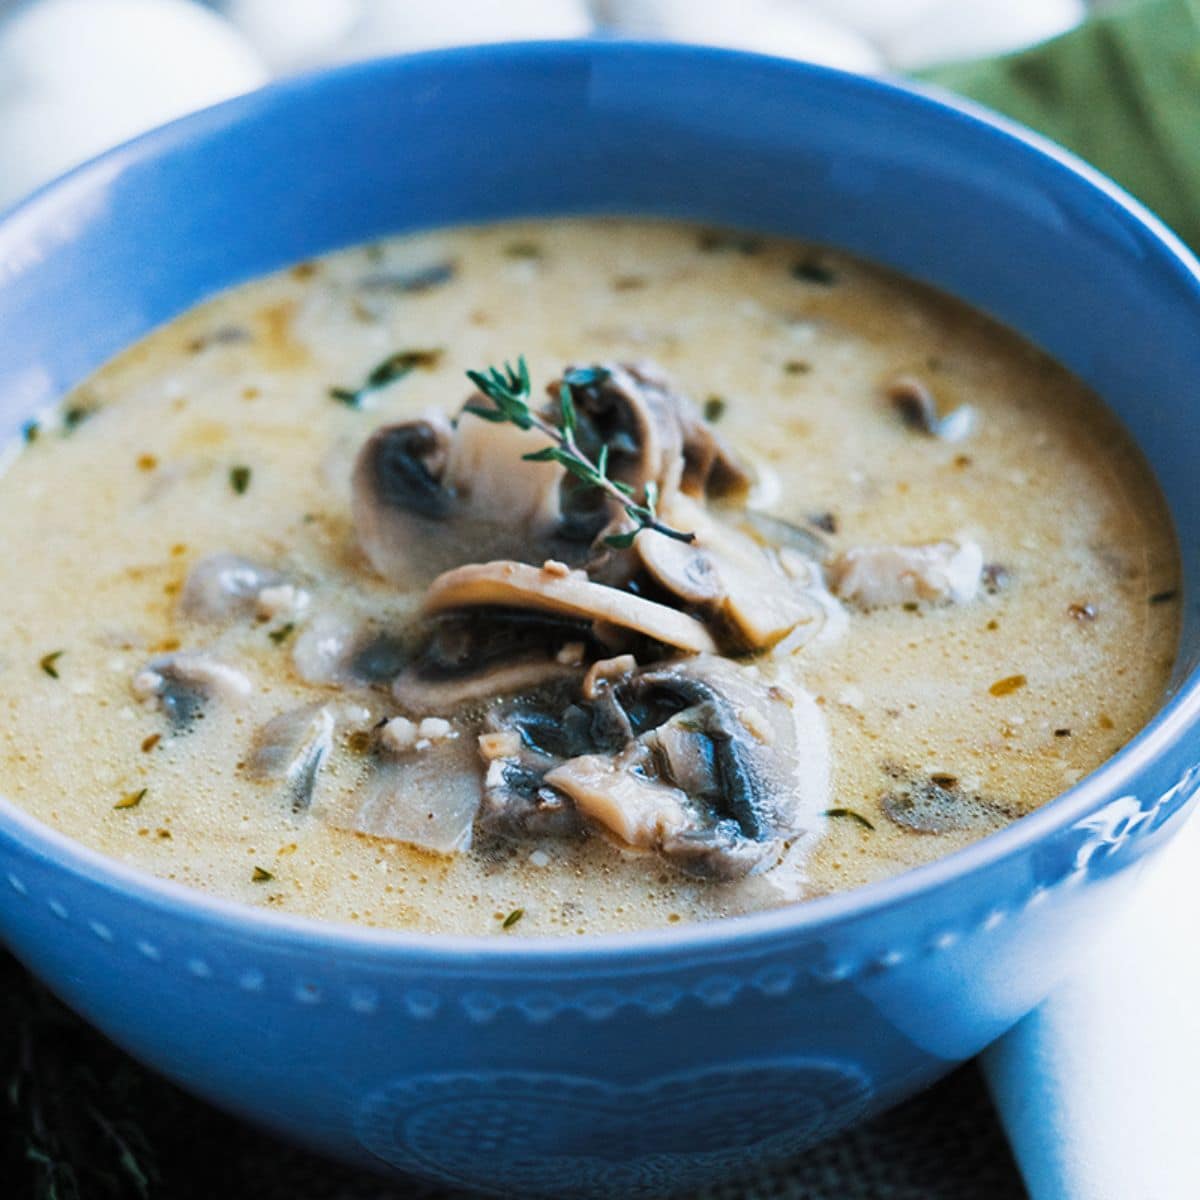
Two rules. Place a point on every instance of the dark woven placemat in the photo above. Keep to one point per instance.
(82, 1121)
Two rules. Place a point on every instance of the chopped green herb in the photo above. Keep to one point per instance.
(512, 918)
(30, 431)
(427, 277)
(132, 800)
(1164, 597)
(226, 335)
(712, 241)
(47, 662)
(239, 479)
(75, 416)
(281, 635)
(851, 815)
(393, 368)
(523, 250)
(261, 876)
(510, 391)
(811, 271)
(797, 366)
(420, 280)
(714, 408)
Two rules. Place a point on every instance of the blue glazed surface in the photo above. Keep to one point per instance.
(611, 1066)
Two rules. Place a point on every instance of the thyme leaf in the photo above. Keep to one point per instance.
(811, 270)
(75, 416)
(132, 800)
(421, 280)
(523, 250)
(261, 876)
(509, 390)
(512, 918)
(281, 635)
(239, 479)
(850, 814)
(391, 370)
(713, 240)
(47, 662)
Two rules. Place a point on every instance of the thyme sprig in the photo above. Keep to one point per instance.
(509, 390)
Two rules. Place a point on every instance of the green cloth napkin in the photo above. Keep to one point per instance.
(1122, 91)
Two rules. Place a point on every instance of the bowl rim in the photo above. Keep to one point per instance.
(1178, 714)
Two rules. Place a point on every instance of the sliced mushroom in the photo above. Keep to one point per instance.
(653, 432)
(883, 576)
(490, 651)
(522, 740)
(427, 496)
(293, 747)
(623, 796)
(339, 649)
(552, 588)
(918, 409)
(182, 684)
(322, 649)
(727, 577)
(222, 587)
(721, 769)
(426, 797)
(778, 534)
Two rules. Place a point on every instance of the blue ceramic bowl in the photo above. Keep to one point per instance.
(630, 1065)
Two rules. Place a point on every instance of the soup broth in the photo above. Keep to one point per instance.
(207, 658)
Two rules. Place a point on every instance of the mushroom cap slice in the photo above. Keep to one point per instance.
(654, 432)
(480, 652)
(918, 409)
(181, 684)
(553, 588)
(223, 586)
(726, 576)
(341, 649)
(293, 747)
(719, 767)
(427, 798)
(493, 481)
(640, 812)
(522, 740)
(397, 498)
(881, 576)
(427, 495)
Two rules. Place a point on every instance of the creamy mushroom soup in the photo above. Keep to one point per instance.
(567, 577)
